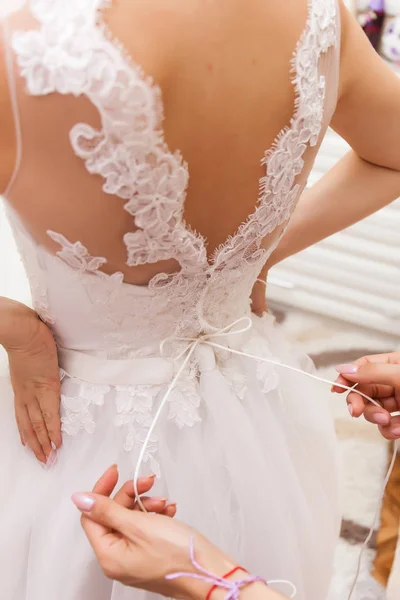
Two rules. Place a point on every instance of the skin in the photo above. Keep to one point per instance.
(377, 376)
(33, 361)
(140, 550)
(367, 116)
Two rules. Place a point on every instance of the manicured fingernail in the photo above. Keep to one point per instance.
(350, 409)
(82, 501)
(382, 419)
(172, 505)
(349, 369)
(53, 446)
(163, 500)
(396, 431)
(51, 460)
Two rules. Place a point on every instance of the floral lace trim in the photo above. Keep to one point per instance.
(135, 405)
(134, 412)
(284, 161)
(76, 408)
(77, 256)
(130, 152)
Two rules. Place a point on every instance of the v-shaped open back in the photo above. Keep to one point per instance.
(64, 48)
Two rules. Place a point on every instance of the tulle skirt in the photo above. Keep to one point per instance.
(254, 470)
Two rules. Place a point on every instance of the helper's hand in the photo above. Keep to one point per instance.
(378, 376)
(126, 494)
(140, 549)
(32, 355)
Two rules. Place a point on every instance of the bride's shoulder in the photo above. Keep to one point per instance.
(175, 32)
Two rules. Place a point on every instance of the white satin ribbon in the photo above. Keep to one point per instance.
(208, 339)
(104, 371)
(160, 370)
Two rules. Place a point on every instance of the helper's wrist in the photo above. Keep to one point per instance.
(198, 590)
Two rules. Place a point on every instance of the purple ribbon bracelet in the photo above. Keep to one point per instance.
(232, 587)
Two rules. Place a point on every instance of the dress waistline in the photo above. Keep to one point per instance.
(104, 371)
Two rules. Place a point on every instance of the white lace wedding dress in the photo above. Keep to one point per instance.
(245, 448)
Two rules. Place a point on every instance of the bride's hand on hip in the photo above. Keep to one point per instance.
(378, 377)
(34, 371)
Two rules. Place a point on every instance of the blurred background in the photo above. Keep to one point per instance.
(341, 300)
(337, 301)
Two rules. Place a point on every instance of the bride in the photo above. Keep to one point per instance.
(151, 281)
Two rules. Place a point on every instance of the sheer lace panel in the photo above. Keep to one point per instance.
(130, 153)
(70, 53)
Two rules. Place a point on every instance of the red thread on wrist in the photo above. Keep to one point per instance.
(226, 576)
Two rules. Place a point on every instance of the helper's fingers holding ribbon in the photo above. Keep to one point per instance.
(378, 377)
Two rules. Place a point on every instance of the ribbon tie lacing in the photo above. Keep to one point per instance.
(238, 327)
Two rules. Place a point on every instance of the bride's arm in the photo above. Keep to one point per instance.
(368, 177)
(349, 192)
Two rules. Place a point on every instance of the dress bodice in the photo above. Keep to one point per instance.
(69, 53)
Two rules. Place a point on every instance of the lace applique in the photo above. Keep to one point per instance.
(284, 161)
(235, 377)
(185, 400)
(134, 411)
(76, 402)
(77, 256)
(71, 54)
(267, 376)
(130, 152)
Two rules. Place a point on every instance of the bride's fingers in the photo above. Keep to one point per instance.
(39, 426)
(29, 435)
(21, 435)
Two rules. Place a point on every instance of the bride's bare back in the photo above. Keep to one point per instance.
(92, 132)
(224, 72)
